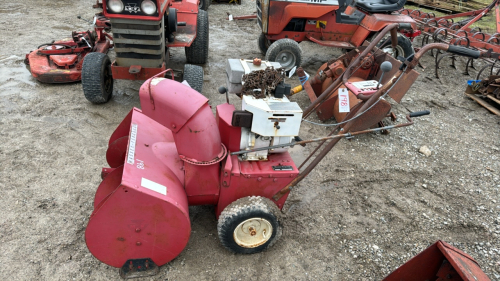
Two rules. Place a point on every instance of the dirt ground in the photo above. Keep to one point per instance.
(373, 203)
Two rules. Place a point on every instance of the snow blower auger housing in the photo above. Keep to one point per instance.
(174, 153)
(143, 32)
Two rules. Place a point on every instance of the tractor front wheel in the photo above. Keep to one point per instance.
(198, 51)
(193, 74)
(285, 51)
(403, 49)
(97, 80)
(249, 225)
(204, 4)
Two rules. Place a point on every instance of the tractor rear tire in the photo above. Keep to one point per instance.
(198, 51)
(193, 74)
(204, 4)
(403, 49)
(249, 225)
(97, 80)
(264, 43)
(285, 51)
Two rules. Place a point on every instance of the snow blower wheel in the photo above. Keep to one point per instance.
(97, 80)
(249, 225)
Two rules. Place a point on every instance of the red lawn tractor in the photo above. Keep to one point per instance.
(143, 31)
(173, 153)
(342, 24)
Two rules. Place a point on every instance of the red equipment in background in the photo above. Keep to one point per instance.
(61, 61)
(342, 24)
(143, 30)
(440, 261)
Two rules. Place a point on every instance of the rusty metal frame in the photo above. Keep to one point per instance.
(445, 30)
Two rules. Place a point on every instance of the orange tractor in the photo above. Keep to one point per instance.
(342, 24)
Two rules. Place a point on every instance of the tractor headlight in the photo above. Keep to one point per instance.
(116, 6)
(148, 7)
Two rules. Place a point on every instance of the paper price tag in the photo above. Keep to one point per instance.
(230, 17)
(344, 100)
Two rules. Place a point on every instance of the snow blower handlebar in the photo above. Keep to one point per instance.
(407, 65)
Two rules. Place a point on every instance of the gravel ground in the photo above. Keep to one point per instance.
(370, 205)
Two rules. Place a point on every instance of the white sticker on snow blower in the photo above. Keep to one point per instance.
(156, 187)
(344, 100)
(131, 144)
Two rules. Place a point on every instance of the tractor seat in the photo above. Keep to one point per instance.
(380, 6)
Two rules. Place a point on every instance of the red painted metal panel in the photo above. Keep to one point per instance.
(434, 264)
(195, 131)
(202, 184)
(64, 60)
(421, 267)
(464, 264)
(281, 12)
(360, 36)
(147, 215)
(107, 186)
(44, 70)
(376, 22)
(169, 103)
(187, 113)
(257, 178)
(167, 154)
(185, 6)
(199, 138)
(230, 136)
(123, 129)
(115, 155)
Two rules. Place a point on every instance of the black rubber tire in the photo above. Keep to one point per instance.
(198, 51)
(171, 20)
(263, 43)
(242, 210)
(204, 4)
(285, 51)
(193, 74)
(404, 48)
(97, 80)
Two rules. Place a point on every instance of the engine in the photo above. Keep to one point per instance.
(268, 117)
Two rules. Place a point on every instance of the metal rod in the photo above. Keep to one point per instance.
(317, 148)
(346, 135)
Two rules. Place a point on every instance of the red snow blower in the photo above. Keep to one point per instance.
(173, 153)
(61, 61)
